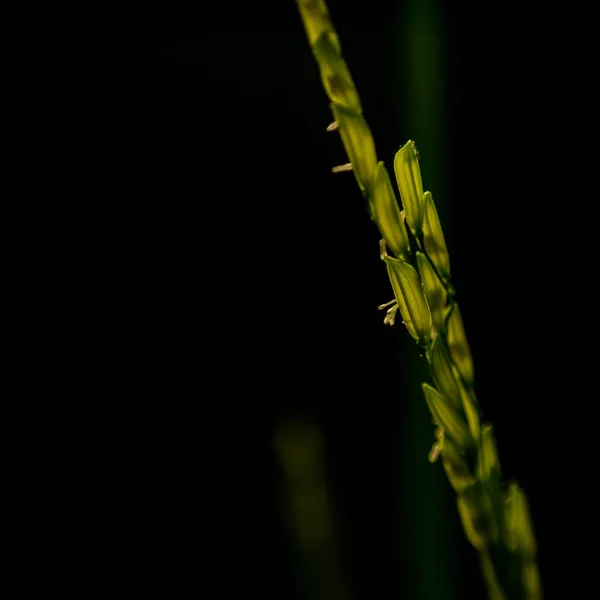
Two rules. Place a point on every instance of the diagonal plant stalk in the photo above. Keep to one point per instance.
(495, 516)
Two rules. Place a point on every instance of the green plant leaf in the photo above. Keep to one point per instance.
(358, 142)
(408, 176)
(459, 347)
(443, 371)
(446, 417)
(435, 292)
(410, 297)
(385, 212)
(433, 237)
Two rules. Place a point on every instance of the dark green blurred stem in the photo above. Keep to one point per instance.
(309, 510)
(420, 93)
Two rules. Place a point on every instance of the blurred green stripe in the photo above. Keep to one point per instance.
(420, 87)
(309, 510)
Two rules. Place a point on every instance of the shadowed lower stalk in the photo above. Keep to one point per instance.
(310, 510)
(495, 516)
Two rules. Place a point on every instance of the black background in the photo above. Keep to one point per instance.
(239, 280)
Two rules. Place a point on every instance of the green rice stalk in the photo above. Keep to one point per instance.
(309, 509)
(495, 517)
